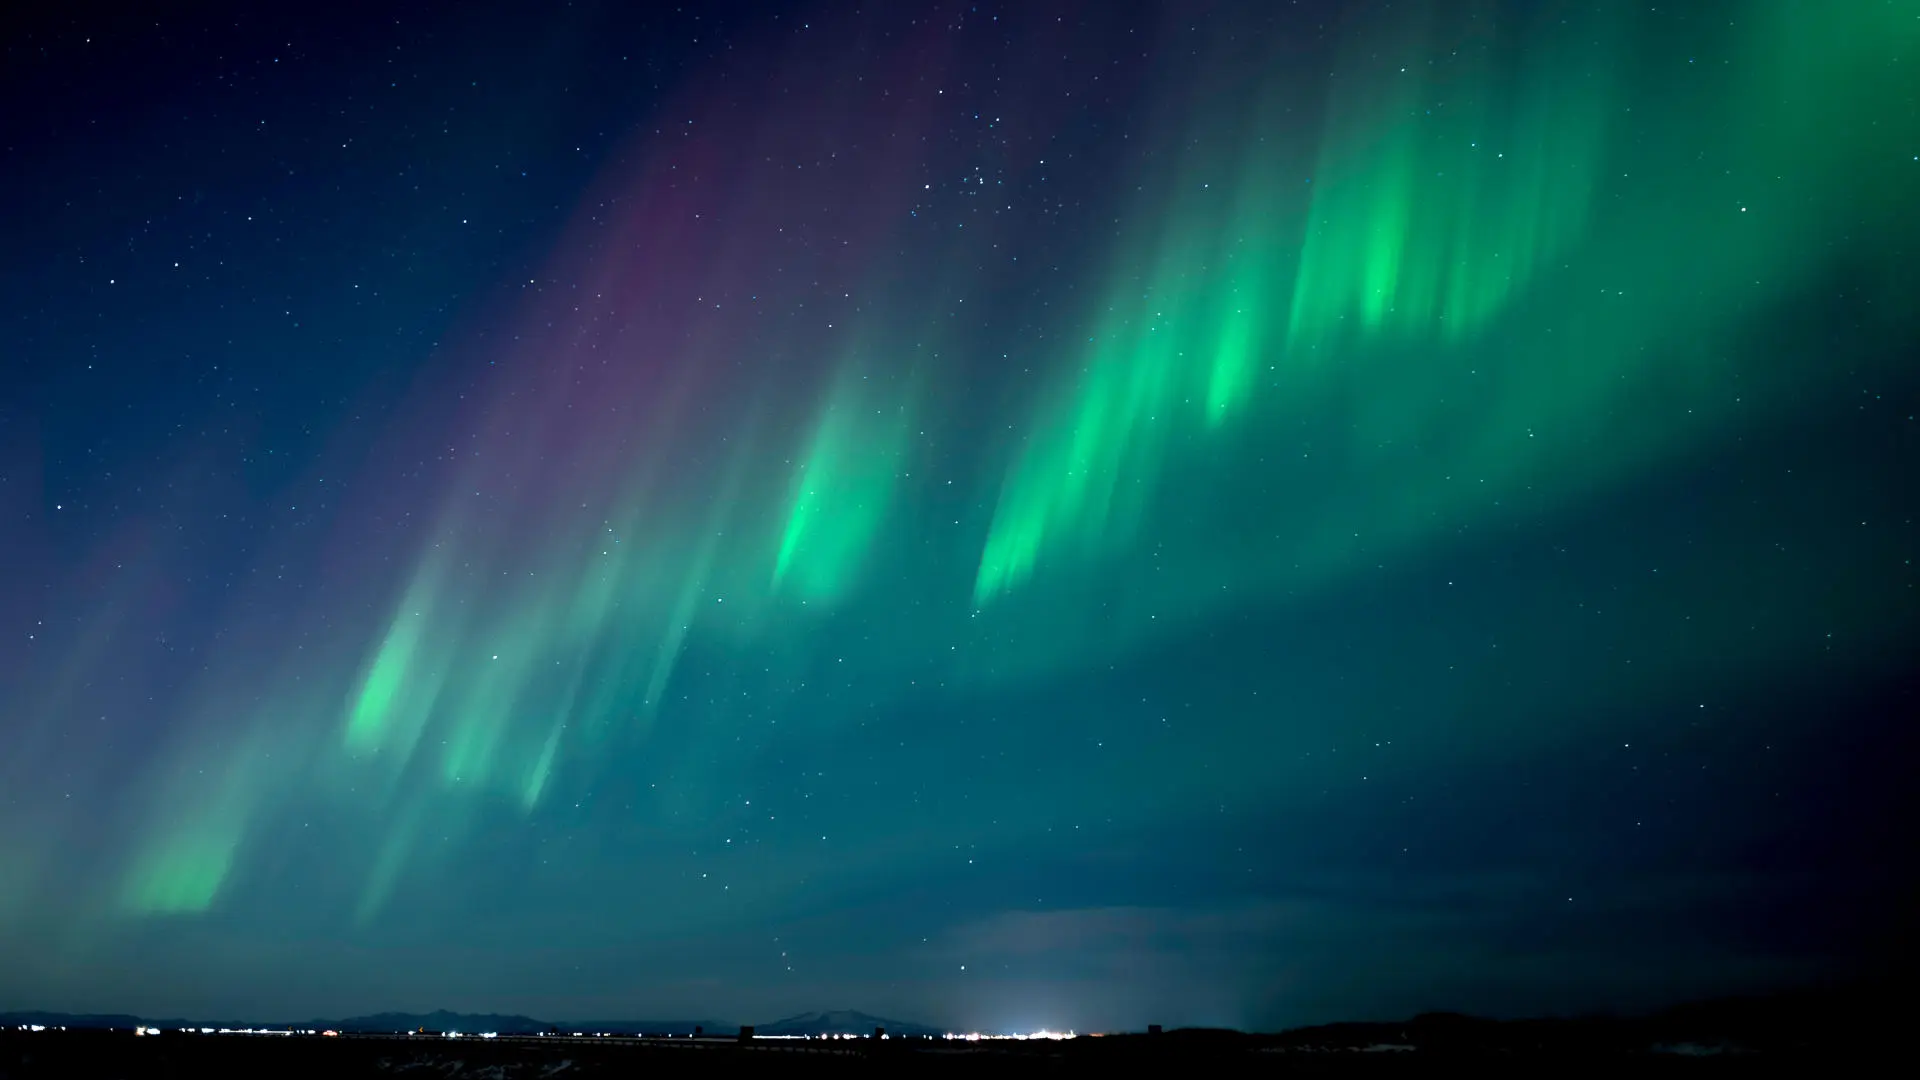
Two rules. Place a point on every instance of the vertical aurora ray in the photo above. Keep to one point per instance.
(203, 818)
(842, 489)
(542, 771)
(1186, 320)
(184, 872)
(402, 682)
(389, 862)
(1085, 478)
(672, 638)
(478, 721)
(1251, 263)
(1244, 328)
(1456, 164)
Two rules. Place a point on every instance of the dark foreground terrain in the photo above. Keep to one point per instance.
(1802, 1034)
(121, 1054)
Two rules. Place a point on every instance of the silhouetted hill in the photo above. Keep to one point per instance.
(438, 1020)
(1794, 1021)
(81, 1020)
(840, 1022)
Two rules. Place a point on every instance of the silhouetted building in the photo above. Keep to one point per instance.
(746, 1032)
(1153, 1029)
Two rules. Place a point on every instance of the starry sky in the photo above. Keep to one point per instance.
(1068, 514)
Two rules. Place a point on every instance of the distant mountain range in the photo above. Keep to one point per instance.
(841, 1022)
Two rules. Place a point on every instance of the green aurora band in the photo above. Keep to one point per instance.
(1512, 273)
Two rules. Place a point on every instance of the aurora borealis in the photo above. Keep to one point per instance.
(1060, 515)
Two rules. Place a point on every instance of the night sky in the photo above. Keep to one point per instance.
(1067, 514)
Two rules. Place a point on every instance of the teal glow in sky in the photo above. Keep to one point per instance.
(1247, 516)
